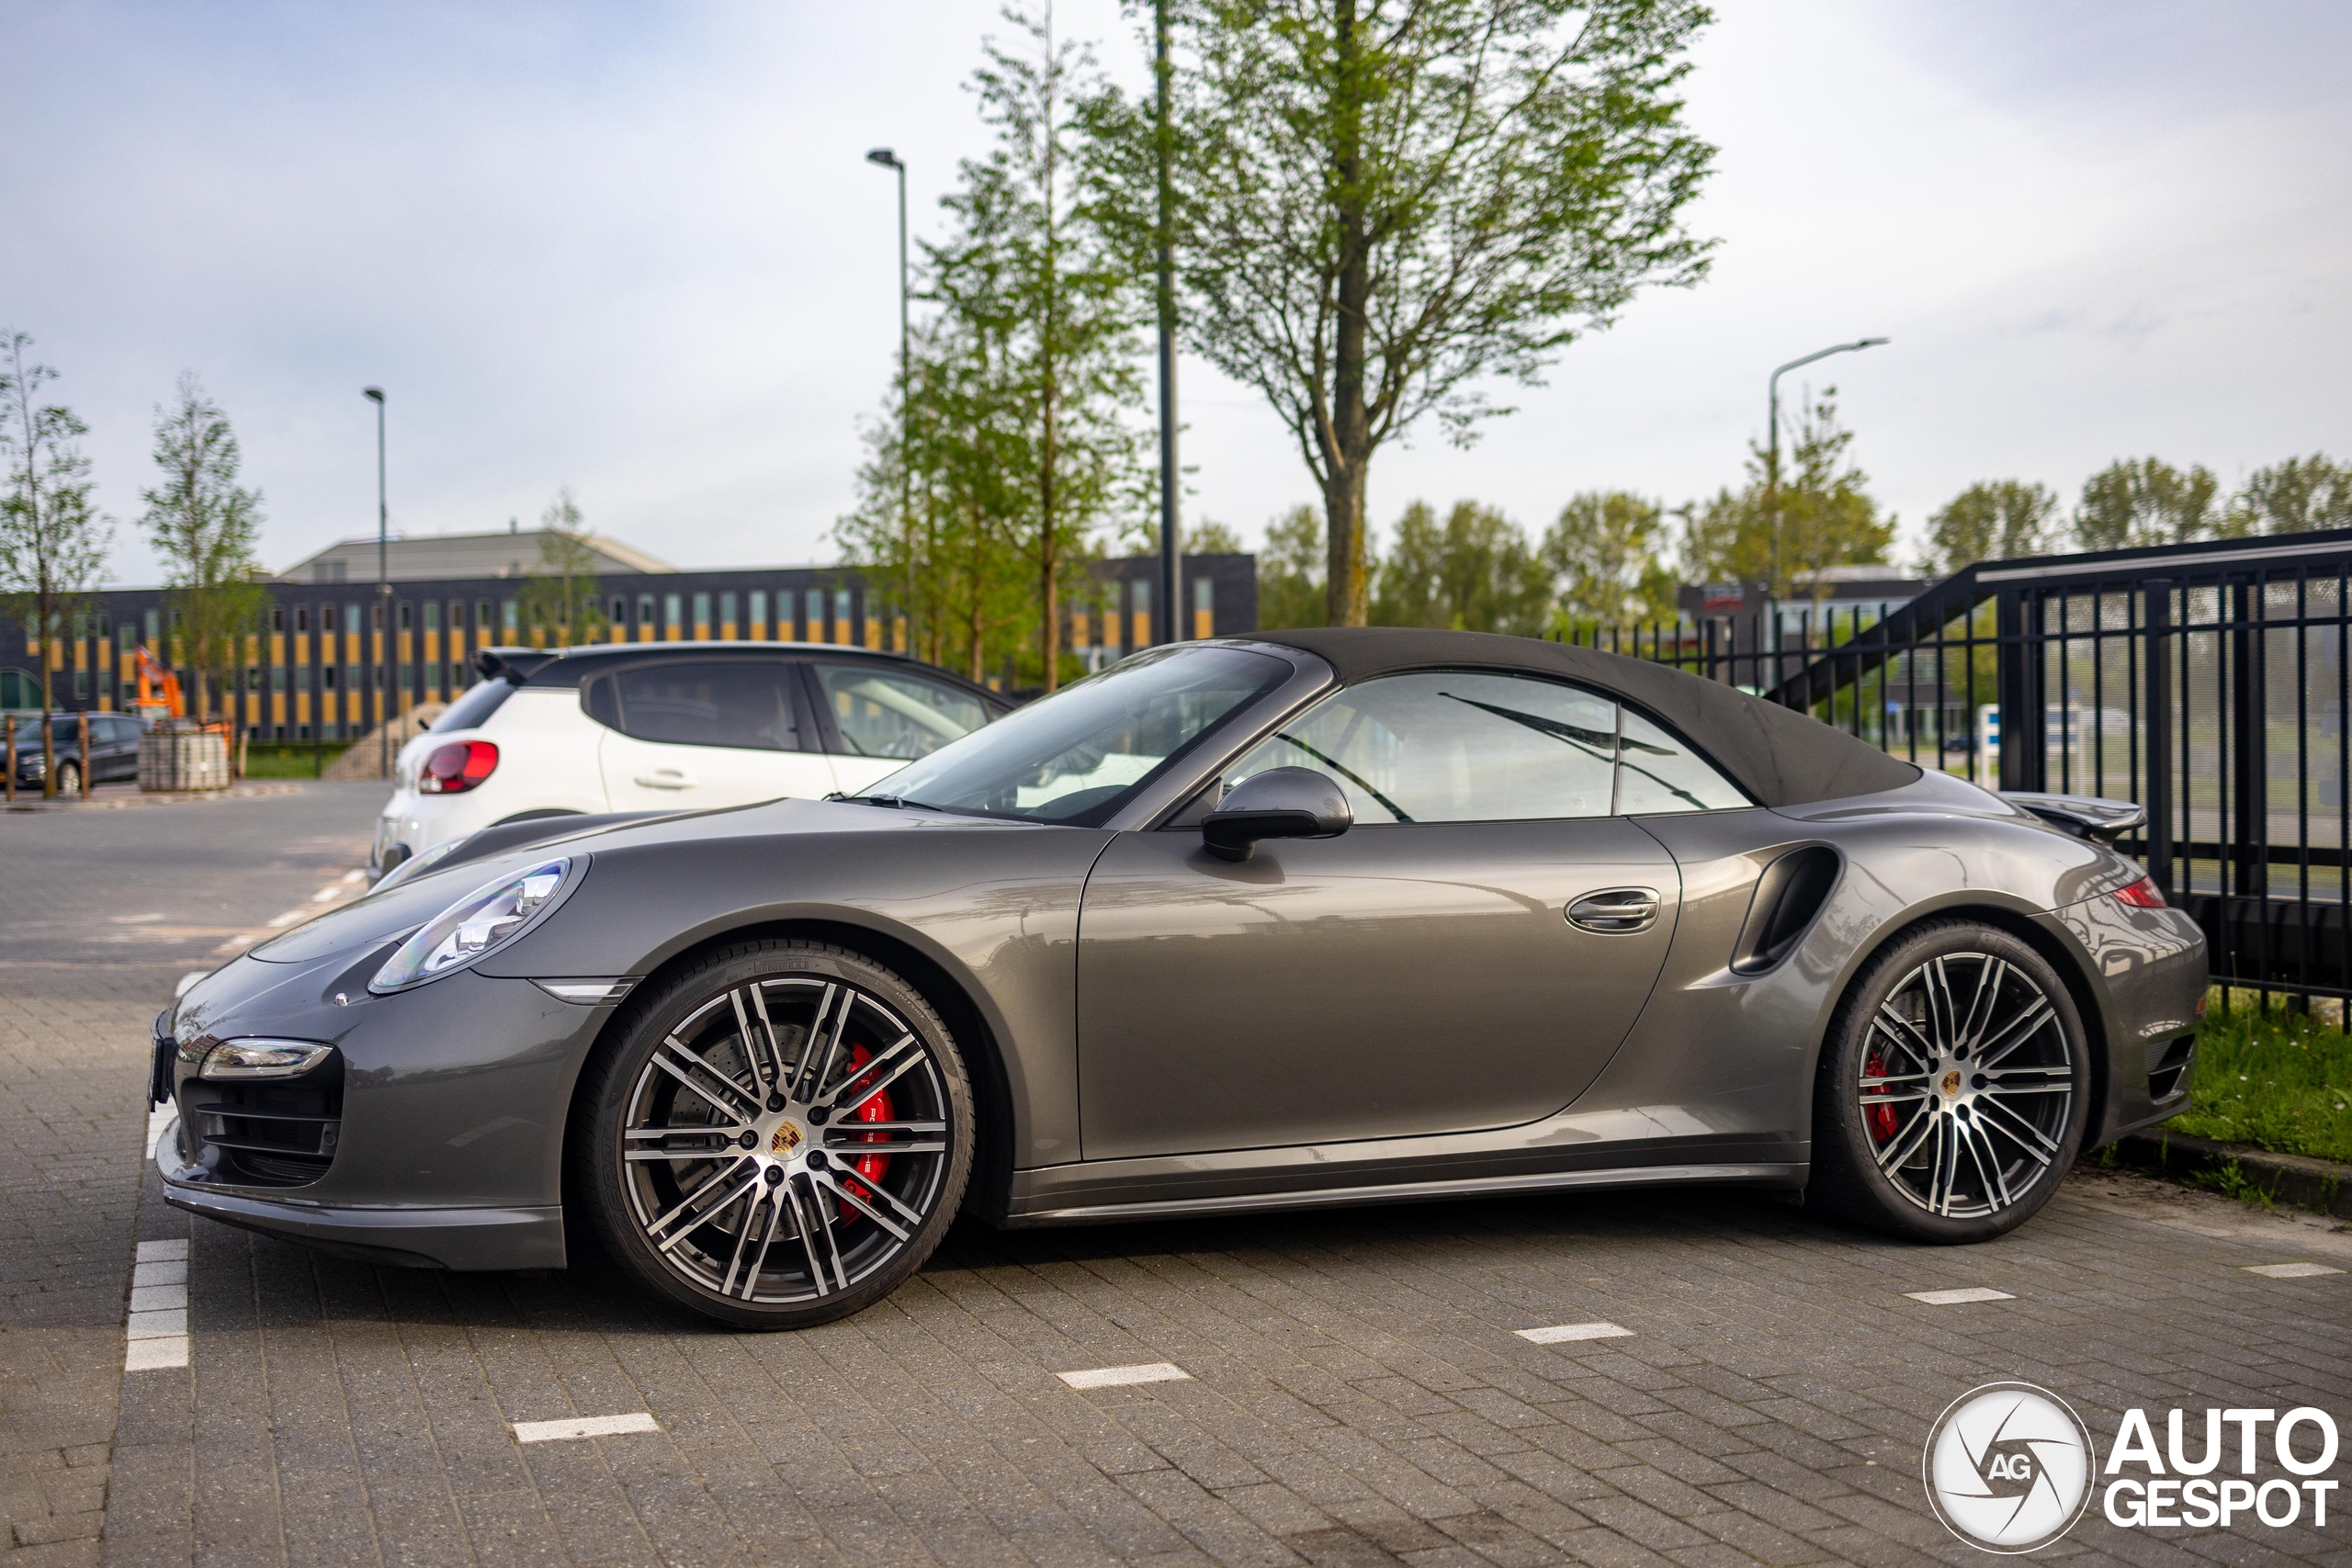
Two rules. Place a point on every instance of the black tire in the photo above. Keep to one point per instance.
(1953, 1088)
(695, 1214)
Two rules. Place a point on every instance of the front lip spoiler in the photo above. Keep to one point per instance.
(461, 1239)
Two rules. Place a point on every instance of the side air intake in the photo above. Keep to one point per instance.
(1788, 895)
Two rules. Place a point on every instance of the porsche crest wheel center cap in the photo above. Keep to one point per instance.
(1951, 1084)
(786, 1140)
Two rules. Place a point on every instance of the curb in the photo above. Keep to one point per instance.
(2321, 1185)
(131, 800)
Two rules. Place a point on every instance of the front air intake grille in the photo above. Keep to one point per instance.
(2167, 1062)
(280, 1134)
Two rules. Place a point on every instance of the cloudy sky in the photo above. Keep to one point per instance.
(635, 249)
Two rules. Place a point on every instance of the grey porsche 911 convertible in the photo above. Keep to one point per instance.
(1307, 918)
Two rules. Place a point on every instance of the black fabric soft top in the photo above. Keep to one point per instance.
(1781, 756)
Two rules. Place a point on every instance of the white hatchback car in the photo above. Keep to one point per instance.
(666, 727)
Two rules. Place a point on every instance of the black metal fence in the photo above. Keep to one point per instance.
(2208, 683)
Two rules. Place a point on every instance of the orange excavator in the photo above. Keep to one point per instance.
(159, 688)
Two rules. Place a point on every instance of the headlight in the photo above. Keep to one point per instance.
(473, 927)
(235, 1059)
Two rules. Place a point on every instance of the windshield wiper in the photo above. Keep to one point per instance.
(894, 802)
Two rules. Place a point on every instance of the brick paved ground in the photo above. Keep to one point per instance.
(1357, 1395)
(104, 910)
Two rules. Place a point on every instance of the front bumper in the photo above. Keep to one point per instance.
(437, 1142)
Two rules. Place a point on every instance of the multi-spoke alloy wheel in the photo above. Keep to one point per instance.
(1952, 1090)
(780, 1137)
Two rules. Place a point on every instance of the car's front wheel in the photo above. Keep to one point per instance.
(1954, 1087)
(776, 1137)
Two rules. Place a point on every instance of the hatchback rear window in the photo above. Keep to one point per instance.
(473, 710)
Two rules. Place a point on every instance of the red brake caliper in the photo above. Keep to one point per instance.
(1882, 1118)
(876, 1108)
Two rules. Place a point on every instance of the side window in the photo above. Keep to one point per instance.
(1486, 748)
(1453, 748)
(737, 702)
(1657, 774)
(883, 711)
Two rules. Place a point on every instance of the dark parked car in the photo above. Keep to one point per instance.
(114, 748)
(1310, 918)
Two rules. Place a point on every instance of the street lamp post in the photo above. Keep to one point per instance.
(1163, 75)
(383, 591)
(883, 157)
(1772, 437)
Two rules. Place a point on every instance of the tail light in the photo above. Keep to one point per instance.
(2141, 895)
(456, 767)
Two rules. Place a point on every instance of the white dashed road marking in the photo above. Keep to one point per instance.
(1562, 1332)
(1954, 1298)
(583, 1426)
(157, 1333)
(1119, 1377)
(2290, 1271)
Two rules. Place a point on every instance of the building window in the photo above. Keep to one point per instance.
(155, 629)
(404, 615)
(727, 611)
(841, 616)
(351, 620)
(813, 611)
(376, 617)
(481, 615)
(302, 617)
(277, 617)
(81, 685)
(302, 678)
(126, 636)
(277, 678)
(702, 612)
(672, 606)
(433, 615)
(620, 612)
(510, 617)
(408, 677)
(106, 682)
(1140, 636)
(759, 613)
(1204, 608)
(326, 677)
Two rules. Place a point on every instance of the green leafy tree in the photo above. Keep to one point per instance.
(2145, 502)
(1289, 572)
(1383, 207)
(2294, 497)
(1208, 537)
(1474, 572)
(205, 526)
(1603, 549)
(1991, 520)
(564, 599)
(52, 540)
(1822, 514)
(1022, 429)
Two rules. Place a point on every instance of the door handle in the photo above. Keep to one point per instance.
(1618, 912)
(666, 778)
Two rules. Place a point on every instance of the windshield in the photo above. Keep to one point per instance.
(1076, 756)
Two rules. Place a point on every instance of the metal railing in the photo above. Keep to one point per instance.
(2208, 683)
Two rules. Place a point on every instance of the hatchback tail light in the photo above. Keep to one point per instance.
(456, 767)
(2141, 895)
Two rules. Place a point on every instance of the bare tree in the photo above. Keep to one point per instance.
(52, 541)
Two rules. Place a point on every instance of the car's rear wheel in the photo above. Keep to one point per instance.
(1954, 1087)
(777, 1137)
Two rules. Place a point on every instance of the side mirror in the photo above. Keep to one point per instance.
(1281, 802)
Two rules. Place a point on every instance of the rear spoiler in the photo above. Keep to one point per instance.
(515, 665)
(2084, 816)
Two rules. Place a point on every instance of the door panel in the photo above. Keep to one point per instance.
(689, 736)
(1394, 981)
